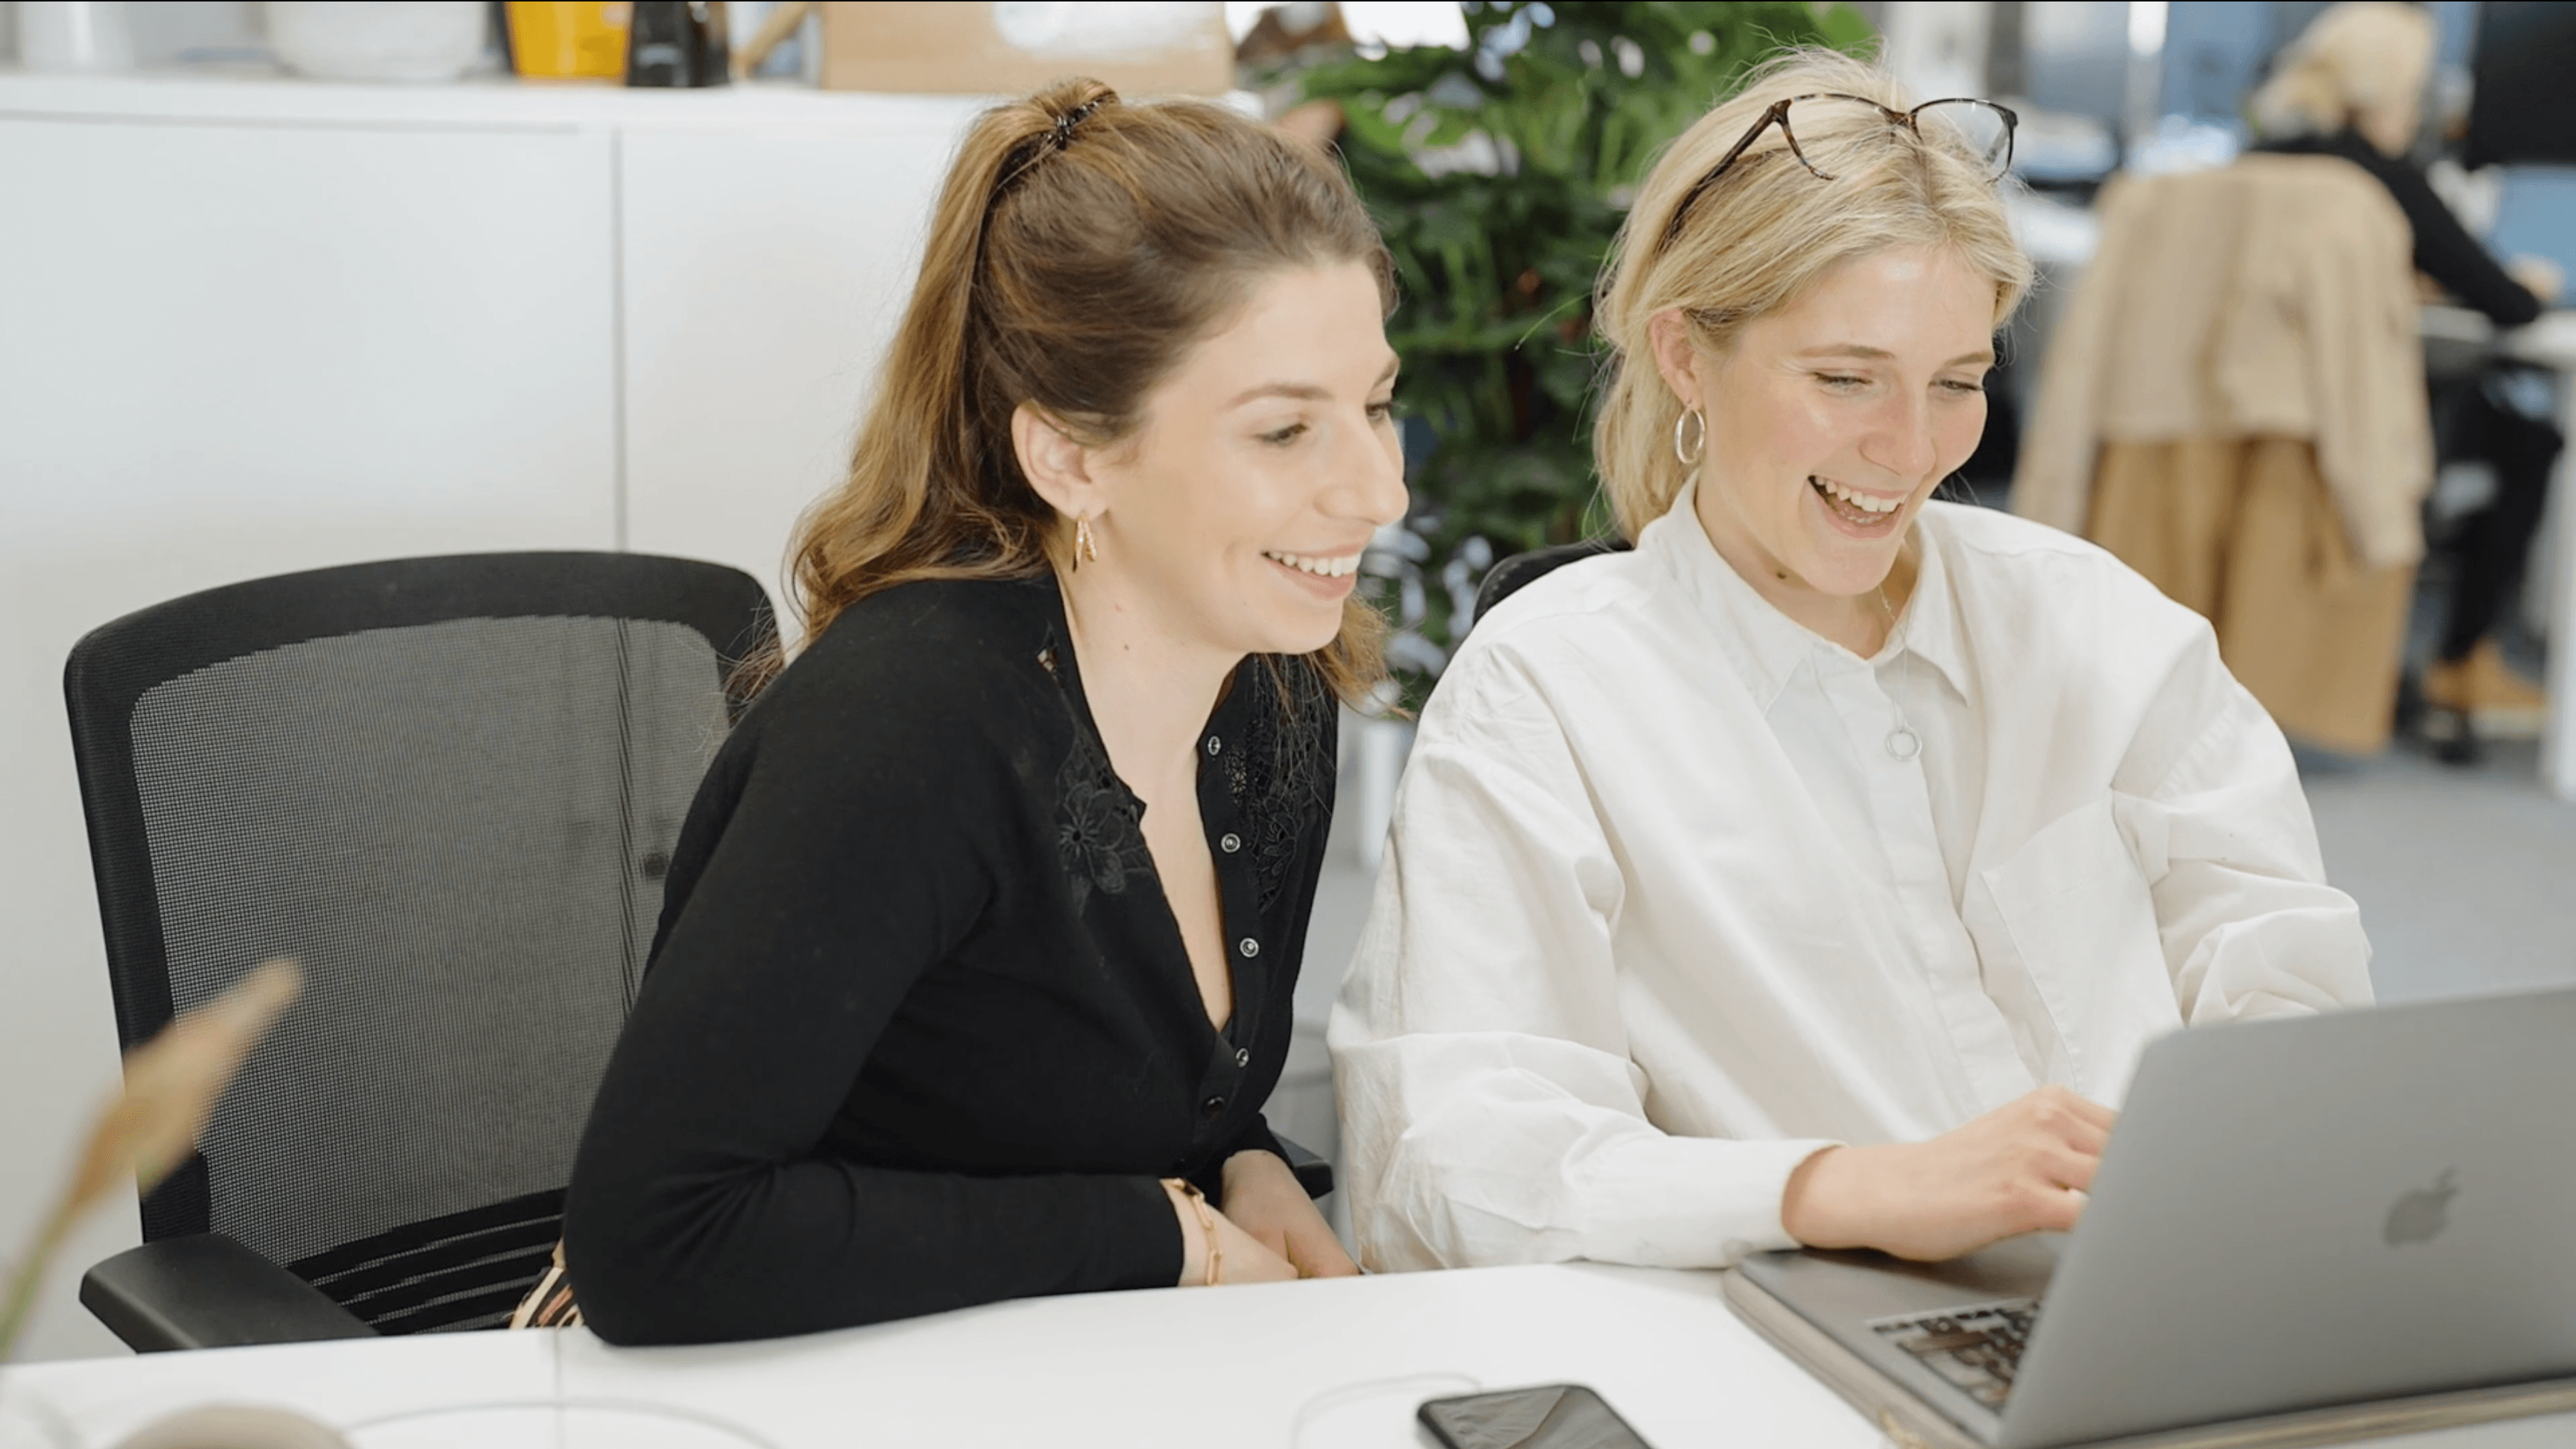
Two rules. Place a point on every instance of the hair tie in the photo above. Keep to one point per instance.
(1065, 123)
(1024, 156)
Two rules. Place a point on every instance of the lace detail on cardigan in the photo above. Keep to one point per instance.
(1282, 778)
(1100, 836)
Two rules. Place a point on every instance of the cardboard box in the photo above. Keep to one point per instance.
(995, 47)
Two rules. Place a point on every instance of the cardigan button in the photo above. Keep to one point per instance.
(1249, 947)
(1215, 744)
(1213, 1107)
(1231, 843)
(1243, 1056)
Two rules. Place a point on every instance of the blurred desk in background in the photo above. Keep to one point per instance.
(2456, 338)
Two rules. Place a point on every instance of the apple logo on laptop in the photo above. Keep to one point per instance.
(2419, 1216)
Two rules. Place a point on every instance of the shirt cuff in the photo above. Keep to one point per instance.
(1689, 1202)
(1148, 1248)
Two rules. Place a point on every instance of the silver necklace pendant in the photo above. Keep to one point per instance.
(1903, 744)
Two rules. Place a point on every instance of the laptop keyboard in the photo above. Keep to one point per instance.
(1977, 1347)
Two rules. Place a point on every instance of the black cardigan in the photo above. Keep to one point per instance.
(2444, 250)
(919, 1030)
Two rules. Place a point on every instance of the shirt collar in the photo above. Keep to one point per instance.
(1930, 626)
(1766, 646)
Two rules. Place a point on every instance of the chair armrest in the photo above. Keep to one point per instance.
(206, 1291)
(1312, 1173)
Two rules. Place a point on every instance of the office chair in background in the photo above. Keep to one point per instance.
(450, 787)
(2234, 405)
(1511, 575)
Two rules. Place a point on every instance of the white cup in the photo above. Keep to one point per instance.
(385, 40)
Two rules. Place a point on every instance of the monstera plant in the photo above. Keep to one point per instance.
(1499, 172)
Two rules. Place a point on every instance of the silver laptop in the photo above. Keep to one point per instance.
(2305, 1230)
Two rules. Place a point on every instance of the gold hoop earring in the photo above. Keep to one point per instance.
(1699, 437)
(1084, 550)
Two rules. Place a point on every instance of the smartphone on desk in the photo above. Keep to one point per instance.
(1555, 1416)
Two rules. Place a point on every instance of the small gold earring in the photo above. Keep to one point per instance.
(1084, 550)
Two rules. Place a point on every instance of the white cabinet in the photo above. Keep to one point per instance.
(267, 344)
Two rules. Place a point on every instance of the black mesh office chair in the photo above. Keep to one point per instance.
(1521, 570)
(450, 787)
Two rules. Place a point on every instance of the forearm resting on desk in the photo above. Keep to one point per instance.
(679, 1256)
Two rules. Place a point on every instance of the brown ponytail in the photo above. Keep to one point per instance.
(1079, 248)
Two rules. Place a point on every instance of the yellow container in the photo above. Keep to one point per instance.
(569, 39)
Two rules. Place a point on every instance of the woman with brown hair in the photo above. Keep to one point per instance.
(978, 945)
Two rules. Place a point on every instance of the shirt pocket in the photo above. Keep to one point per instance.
(2081, 921)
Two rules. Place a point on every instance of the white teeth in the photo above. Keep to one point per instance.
(1862, 501)
(1330, 568)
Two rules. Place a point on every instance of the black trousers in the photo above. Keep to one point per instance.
(2493, 545)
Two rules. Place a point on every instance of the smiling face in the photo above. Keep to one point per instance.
(1238, 509)
(1831, 421)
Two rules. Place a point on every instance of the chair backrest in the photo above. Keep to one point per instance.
(450, 788)
(1523, 569)
(2270, 298)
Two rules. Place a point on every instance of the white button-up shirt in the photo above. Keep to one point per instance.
(1665, 911)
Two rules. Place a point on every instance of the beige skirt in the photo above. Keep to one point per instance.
(2243, 531)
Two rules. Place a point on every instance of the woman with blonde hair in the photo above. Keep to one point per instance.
(978, 945)
(1815, 872)
(2352, 86)
(2360, 65)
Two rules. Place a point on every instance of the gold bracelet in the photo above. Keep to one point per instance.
(1207, 1227)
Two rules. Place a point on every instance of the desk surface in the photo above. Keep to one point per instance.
(2549, 341)
(1289, 1366)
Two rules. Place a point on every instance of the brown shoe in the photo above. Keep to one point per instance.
(2446, 685)
(2501, 703)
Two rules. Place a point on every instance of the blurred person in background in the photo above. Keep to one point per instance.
(2352, 86)
(978, 947)
(1815, 872)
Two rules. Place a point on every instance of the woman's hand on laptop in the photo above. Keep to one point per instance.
(2021, 1168)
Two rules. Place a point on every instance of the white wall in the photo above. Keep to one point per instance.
(256, 326)
(765, 269)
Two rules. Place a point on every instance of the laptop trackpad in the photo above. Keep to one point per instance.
(1860, 1286)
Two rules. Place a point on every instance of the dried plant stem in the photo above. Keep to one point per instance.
(172, 1083)
(25, 1274)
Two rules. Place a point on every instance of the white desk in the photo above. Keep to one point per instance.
(1291, 1366)
(2551, 343)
